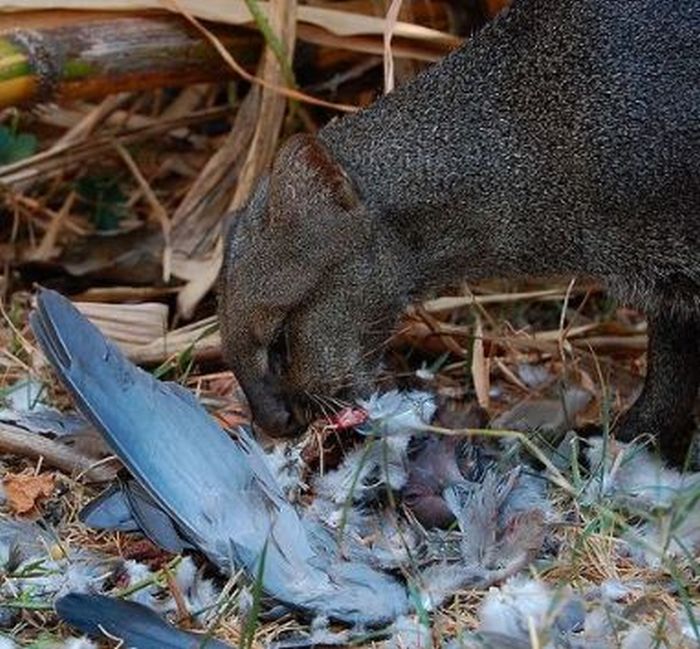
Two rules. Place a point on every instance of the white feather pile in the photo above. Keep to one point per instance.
(409, 633)
(287, 466)
(79, 572)
(690, 628)
(382, 462)
(139, 573)
(511, 609)
(534, 376)
(398, 413)
(613, 590)
(39, 576)
(321, 635)
(79, 643)
(670, 533)
(667, 501)
(375, 466)
(631, 475)
(200, 594)
(522, 608)
(639, 637)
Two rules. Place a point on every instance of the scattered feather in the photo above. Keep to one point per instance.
(511, 609)
(79, 643)
(200, 594)
(23, 397)
(367, 471)
(632, 475)
(523, 613)
(533, 376)
(135, 624)
(397, 413)
(493, 544)
(320, 636)
(287, 465)
(409, 633)
(666, 501)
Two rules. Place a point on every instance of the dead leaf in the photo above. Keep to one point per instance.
(392, 17)
(25, 490)
(236, 12)
(480, 367)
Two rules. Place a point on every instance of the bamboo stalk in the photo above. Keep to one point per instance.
(45, 58)
(58, 55)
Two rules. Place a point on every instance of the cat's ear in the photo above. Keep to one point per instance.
(306, 181)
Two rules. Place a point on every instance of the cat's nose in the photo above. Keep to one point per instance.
(276, 421)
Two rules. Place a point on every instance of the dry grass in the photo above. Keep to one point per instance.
(121, 205)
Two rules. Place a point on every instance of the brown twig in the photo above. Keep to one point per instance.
(19, 442)
(158, 209)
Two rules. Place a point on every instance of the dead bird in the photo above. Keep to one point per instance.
(193, 486)
(562, 139)
(218, 492)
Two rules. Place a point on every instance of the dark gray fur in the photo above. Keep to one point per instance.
(562, 139)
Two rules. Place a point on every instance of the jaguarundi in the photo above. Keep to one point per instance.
(563, 139)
